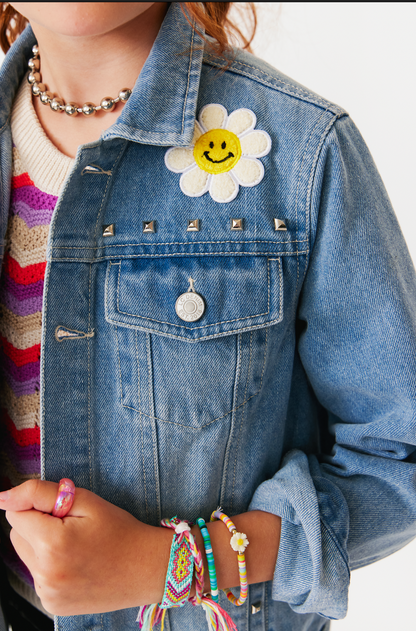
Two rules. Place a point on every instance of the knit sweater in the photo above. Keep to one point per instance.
(39, 171)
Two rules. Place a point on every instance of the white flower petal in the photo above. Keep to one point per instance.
(194, 182)
(198, 131)
(256, 144)
(248, 171)
(223, 188)
(213, 116)
(178, 159)
(240, 121)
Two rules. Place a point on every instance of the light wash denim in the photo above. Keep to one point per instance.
(293, 394)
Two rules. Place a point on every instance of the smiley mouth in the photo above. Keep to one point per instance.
(230, 155)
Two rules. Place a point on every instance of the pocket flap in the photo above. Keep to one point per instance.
(239, 293)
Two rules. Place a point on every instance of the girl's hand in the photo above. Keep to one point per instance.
(98, 558)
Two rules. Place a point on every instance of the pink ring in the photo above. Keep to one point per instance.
(65, 498)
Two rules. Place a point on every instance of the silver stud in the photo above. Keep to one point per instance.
(35, 49)
(193, 225)
(236, 224)
(256, 608)
(110, 230)
(149, 226)
(279, 224)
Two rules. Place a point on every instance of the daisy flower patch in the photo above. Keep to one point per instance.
(223, 154)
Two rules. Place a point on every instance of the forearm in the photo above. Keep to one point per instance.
(263, 532)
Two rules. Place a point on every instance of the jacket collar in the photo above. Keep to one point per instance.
(162, 107)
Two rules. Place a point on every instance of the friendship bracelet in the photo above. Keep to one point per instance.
(181, 567)
(151, 615)
(210, 558)
(239, 543)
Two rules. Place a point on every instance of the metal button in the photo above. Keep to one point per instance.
(110, 230)
(236, 224)
(279, 224)
(190, 306)
(255, 608)
(149, 226)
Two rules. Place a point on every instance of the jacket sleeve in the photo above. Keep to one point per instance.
(353, 504)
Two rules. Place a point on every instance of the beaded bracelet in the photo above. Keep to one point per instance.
(239, 543)
(210, 558)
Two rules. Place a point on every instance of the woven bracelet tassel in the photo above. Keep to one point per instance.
(149, 616)
(217, 618)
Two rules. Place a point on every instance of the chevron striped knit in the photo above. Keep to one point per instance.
(39, 171)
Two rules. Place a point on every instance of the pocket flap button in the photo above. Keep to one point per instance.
(190, 306)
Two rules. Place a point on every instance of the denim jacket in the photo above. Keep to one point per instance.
(294, 391)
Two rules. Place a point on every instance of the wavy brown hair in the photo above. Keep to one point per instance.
(211, 17)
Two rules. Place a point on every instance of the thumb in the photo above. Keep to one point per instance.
(37, 494)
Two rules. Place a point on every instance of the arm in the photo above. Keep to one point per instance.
(354, 502)
(100, 558)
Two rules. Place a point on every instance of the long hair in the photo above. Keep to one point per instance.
(211, 17)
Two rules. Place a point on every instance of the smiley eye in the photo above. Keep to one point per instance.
(211, 144)
(223, 145)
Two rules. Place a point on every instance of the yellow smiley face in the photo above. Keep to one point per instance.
(217, 151)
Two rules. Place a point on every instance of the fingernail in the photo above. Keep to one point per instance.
(4, 495)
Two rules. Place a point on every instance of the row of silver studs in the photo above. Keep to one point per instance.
(193, 226)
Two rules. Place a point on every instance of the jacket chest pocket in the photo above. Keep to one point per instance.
(192, 373)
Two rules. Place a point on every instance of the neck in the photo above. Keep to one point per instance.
(87, 69)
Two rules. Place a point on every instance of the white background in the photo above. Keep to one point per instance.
(362, 57)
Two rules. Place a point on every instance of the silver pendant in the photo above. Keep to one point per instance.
(190, 306)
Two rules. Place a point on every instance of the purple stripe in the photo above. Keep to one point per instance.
(21, 292)
(21, 307)
(27, 372)
(20, 389)
(31, 217)
(34, 197)
(26, 460)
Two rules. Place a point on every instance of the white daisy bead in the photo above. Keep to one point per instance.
(239, 542)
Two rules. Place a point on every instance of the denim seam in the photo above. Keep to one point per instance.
(312, 178)
(257, 315)
(232, 423)
(242, 417)
(141, 427)
(191, 51)
(89, 384)
(219, 418)
(294, 90)
(196, 340)
(313, 172)
(334, 539)
(119, 364)
(298, 187)
(128, 245)
(245, 401)
(182, 254)
(106, 188)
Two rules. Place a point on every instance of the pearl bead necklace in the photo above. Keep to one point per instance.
(57, 104)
